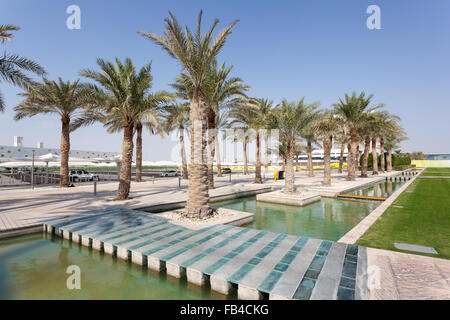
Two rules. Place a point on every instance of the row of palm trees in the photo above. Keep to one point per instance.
(206, 100)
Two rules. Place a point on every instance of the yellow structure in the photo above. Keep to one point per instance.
(334, 165)
(431, 163)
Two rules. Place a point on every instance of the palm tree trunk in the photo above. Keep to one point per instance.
(197, 205)
(266, 146)
(381, 154)
(350, 158)
(183, 153)
(310, 162)
(244, 150)
(374, 157)
(327, 142)
(389, 160)
(125, 167)
(258, 178)
(353, 146)
(65, 149)
(139, 152)
(366, 157)
(235, 149)
(211, 147)
(341, 158)
(357, 158)
(219, 165)
(289, 181)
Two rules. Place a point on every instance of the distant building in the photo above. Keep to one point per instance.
(439, 156)
(20, 153)
(18, 141)
(317, 155)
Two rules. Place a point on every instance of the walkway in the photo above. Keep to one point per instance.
(259, 263)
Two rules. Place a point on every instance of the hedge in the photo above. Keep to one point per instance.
(396, 161)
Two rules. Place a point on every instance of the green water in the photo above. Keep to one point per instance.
(327, 219)
(34, 267)
(382, 189)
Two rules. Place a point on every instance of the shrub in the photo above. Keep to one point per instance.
(396, 160)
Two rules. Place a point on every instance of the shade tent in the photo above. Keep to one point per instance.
(49, 157)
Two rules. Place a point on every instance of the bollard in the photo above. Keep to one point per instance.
(179, 182)
(95, 188)
(229, 177)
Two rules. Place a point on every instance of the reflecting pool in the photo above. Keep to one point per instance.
(328, 219)
(34, 267)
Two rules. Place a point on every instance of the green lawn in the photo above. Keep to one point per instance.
(437, 172)
(423, 220)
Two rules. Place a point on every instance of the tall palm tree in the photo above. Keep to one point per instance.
(12, 66)
(220, 92)
(327, 126)
(120, 102)
(150, 118)
(264, 109)
(243, 115)
(386, 123)
(222, 124)
(177, 118)
(365, 131)
(290, 118)
(66, 99)
(353, 112)
(298, 150)
(195, 52)
(310, 134)
(255, 114)
(341, 137)
(393, 138)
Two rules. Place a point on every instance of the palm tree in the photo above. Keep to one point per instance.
(220, 92)
(327, 126)
(177, 118)
(255, 114)
(393, 138)
(195, 52)
(341, 137)
(291, 118)
(310, 134)
(12, 65)
(66, 99)
(150, 118)
(222, 123)
(121, 103)
(353, 112)
(299, 150)
(264, 109)
(243, 114)
(365, 131)
(386, 122)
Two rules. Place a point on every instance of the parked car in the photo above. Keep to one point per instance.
(226, 170)
(170, 173)
(83, 175)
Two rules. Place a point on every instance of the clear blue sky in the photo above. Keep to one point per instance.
(282, 49)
